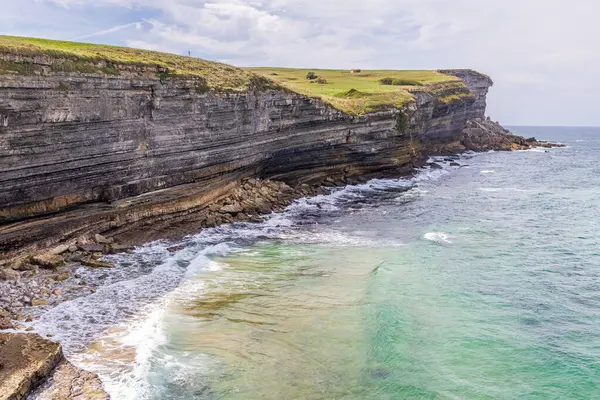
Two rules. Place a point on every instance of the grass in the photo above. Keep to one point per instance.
(363, 92)
(89, 58)
(354, 94)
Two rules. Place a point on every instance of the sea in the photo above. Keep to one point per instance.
(478, 281)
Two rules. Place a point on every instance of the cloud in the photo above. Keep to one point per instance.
(532, 48)
(114, 29)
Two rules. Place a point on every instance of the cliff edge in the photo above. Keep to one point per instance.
(130, 143)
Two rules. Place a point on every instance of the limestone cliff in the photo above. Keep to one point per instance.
(83, 153)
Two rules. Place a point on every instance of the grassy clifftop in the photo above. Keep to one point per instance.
(94, 58)
(366, 90)
(354, 93)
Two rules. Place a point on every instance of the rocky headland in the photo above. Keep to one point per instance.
(99, 155)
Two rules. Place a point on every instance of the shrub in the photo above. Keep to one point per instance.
(406, 82)
(110, 70)
(399, 82)
(311, 75)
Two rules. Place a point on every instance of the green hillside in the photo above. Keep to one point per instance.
(354, 93)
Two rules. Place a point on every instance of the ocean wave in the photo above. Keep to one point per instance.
(437, 237)
(126, 314)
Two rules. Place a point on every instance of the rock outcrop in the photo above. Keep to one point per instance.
(27, 360)
(82, 154)
(71, 383)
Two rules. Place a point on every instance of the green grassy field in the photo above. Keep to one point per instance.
(358, 93)
(77, 58)
(355, 94)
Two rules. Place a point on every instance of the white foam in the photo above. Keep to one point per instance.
(487, 171)
(129, 311)
(438, 237)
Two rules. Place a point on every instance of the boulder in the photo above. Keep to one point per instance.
(102, 240)
(26, 359)
(119, 248)
(435, 166)
(7, 274)
(27, 267)
(91, 248)
(72, 383)
(48, 260)
(6, 323)
(231, 209)
(39, 302)
(90, 262)
(62, 277)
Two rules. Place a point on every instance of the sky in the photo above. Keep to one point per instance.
(543, 55)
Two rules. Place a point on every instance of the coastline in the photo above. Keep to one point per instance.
(247, 203)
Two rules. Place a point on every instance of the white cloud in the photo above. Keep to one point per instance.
(527, 46)
(117, 28)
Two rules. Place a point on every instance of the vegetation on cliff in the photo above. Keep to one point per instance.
(62, 56)
(368, 90)
(355, 92)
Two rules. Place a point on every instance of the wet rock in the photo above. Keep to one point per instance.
(90, 262)
(175, 249)
(435, 166)
(71, 383)
(454, 164)
(48, 260)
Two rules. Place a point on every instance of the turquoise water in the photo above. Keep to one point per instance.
(479, 282)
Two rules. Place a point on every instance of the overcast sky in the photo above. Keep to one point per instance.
(544, 55)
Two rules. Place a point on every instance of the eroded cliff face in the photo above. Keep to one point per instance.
(81, 154)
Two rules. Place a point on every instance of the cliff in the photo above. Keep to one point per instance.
(134, 151)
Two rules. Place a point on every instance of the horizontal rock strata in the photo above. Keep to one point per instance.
(129, 156)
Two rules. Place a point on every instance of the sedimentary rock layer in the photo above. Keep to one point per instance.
(81, 153)
(27, 360)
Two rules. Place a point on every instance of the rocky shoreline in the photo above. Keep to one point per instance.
(31, 285)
